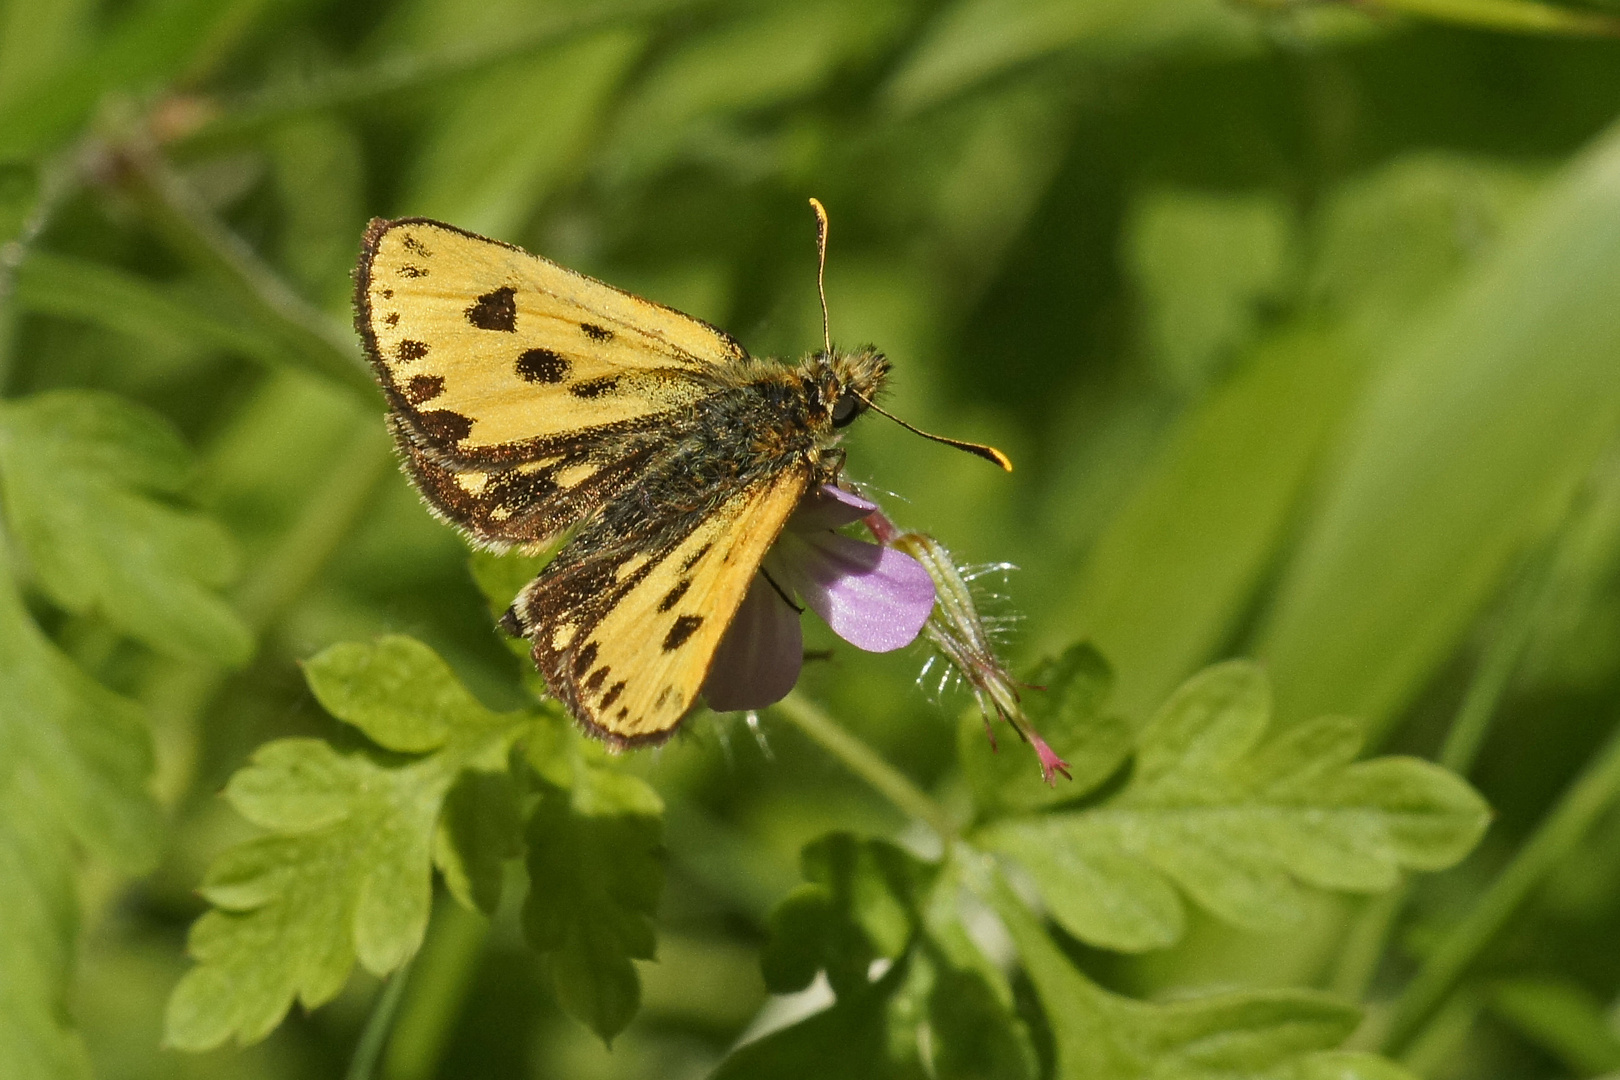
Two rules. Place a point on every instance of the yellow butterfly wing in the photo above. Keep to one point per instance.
(492, 355)
(626, 639)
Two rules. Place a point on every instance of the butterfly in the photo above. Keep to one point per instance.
(532, 404)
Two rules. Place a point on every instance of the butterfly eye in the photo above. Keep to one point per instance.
(845, 409)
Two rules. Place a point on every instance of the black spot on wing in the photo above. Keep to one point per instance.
(674, 595)
(682, 630)
(413, 271)
(495, 310)
(613, 693)
(692, 559)
(423, 388)
(412, 244)
(444, 425)
(596, 333)
(543, 366)
(386, 294)
(584, 659)
(594, 388)
(412, 350)
(391, 319)
(598, 677)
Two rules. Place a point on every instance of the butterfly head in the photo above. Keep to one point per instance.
(846, 383)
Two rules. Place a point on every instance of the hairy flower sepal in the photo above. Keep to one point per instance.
(873, 596)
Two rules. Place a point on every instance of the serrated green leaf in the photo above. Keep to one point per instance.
(1238, 826)
(345, 870)
(1065, 704)
(1102, 1036)
(80, 472)
(595, 874)
(396, 690)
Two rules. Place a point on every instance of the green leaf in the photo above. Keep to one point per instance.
(596, 870)
(481, 828)
(81, 474)
(846, 1040)
(974, 1035)
(1102, 1036)
(1464, 454)
(1177, 568)
(345, 869)
(1065, 705)
(1238, 825)
(74, 764)
(860, 903)
(37, 937)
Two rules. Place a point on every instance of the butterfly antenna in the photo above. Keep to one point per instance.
(821, 269)
(989, 453)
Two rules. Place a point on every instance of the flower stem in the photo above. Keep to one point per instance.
(1592, 793)
(864, 762)
(378, 1024)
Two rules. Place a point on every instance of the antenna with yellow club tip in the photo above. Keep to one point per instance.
(989, 453)
(821, 269)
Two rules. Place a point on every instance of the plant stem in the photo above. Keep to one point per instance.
(1592, 793)
(1368, 937)
(440, 977)
(865, 763)
(375, 1035)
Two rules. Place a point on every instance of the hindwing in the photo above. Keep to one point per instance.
(625, 637)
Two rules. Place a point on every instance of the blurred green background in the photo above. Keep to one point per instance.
(1300, 321)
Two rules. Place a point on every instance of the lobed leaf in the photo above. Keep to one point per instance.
(1237, 825)
(595, 874)
(84, 475)
(1102, 1036)
(345, 871)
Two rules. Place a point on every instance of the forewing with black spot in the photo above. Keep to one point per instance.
(491, 356)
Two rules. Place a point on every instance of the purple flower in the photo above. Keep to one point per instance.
(874, 597)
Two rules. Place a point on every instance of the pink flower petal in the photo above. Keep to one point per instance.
(760, 653)
(875, 598)
(829, 507)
